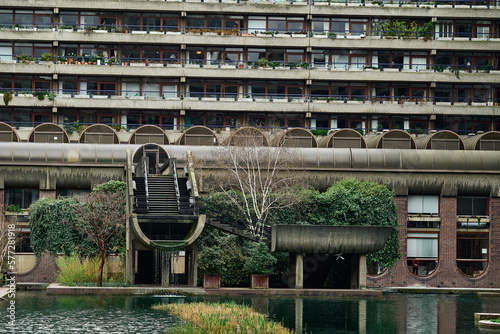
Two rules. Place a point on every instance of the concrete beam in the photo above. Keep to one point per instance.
(247, 105)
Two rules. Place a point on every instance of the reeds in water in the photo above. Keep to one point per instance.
(227, 318)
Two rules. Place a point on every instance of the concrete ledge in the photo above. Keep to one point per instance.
(57, 289)
(485, 316)
(488, 324)
(332, 293)
(456, 291)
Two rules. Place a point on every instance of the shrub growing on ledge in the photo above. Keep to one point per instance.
(352, 202)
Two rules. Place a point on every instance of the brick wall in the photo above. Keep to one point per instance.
(447, 273)
(43, 272)
(52, 194)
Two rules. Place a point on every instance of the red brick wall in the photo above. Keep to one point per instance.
(52, 194)
(44, 271)
(447, 273)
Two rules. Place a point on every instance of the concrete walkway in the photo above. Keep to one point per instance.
(57, 289)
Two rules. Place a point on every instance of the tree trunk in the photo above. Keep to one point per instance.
(101, 268)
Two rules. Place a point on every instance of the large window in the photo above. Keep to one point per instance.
(472, 253)
(472, 206)
(23, 197)
(423, 204)
(422, 253)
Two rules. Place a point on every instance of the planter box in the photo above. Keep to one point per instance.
(211, 281)
(260, 281)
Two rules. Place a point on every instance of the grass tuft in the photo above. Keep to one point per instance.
(205, 318)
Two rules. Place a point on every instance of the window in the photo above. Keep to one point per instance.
(472, 253)
(21, 196)
(427, 204)
(72, 192)
(472, 206)
(422, 253)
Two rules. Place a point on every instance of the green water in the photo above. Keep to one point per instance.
(394, 313)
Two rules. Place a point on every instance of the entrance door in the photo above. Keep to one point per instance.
(153, 157)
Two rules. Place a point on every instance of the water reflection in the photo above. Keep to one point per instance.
(394, 313)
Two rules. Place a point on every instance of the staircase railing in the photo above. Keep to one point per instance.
(176, 184)
(145, 172)
(229, 217)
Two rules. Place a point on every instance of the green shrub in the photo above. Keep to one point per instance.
(260, 261)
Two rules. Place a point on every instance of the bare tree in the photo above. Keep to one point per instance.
(100, 218)
(256, 178)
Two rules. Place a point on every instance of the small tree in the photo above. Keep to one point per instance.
(99, 217)
(255, 179)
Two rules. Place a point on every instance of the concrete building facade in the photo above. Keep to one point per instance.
(367, 66)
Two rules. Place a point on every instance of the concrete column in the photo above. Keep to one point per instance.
(192, 264)
(299, 271)
(165, 269)
(362, 272)
(129, 255)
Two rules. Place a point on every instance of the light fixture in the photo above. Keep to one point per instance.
(198, 52)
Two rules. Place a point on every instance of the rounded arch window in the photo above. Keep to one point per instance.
(422, 252)
(472, 252)
(374, 268)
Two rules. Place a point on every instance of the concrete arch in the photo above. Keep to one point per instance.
(198, 135)
(393, 139)
(243, 135)
(489, 141)
(99, 134)
(343, 138)
(296, 137)
(141, 151)
(149, 134)
(7, 133)
(48, 133)
(441, 140)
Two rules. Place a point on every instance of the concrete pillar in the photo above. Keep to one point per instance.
(165, 269)
(191, 266)
(129, 258)
(362, 272)
(296, 271)
(299, 271)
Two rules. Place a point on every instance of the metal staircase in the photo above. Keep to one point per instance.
(162, 196)
(166, 209)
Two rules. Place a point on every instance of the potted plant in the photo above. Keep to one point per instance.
(260, 263)
(211, 263)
